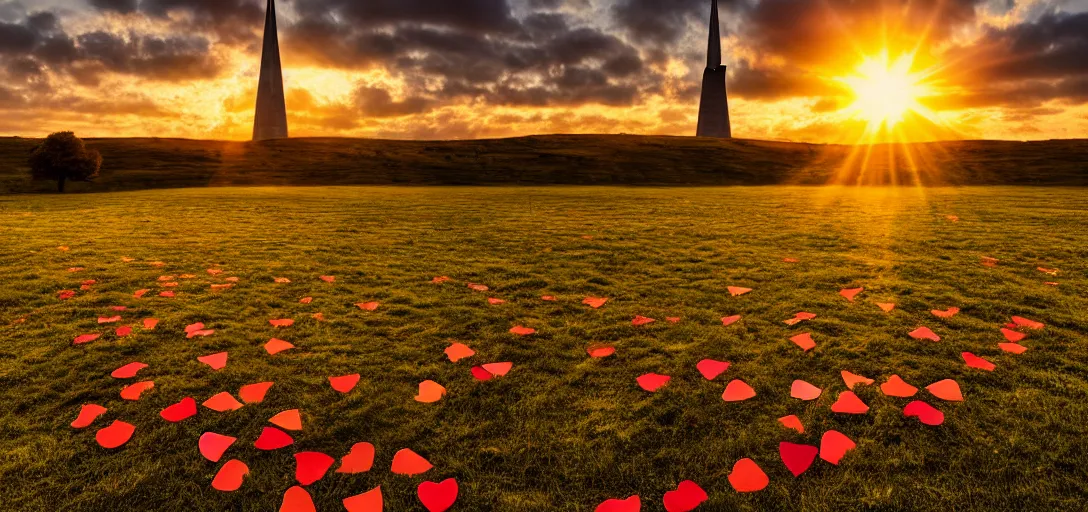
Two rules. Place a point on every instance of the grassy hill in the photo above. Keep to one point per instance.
(134, 164)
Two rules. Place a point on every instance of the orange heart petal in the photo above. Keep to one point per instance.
(850, 293)
(86, 338)
(440, 279)
(495, 302)
(886, 306)
(281, 280)
(370, 501)
(594, 302)
(108, 320)
(458, 351)
(128, 371)
(409, 463)
(289, 420)
(1013, 348)
(215, 361)
(747, 476)
(167, 294)
(1024, 322)
(729, 320)
(87, 414)
(478, 287)
(924, 333)
(652, 381)
(115, 435)
(947, 389)
(344, 383)
(599, 350)
(849, 403)
(522, 331)
(897, 387)
(275, 346)
(212, 446)
(254, 393)
(230, 476)
(737, 390)
(804, 341)
(282, 322)
(328, 279)
(194, 327)
(802, 390)
(222, 402)
(1013, 336)
(498, 369)
(948, 313)
(792, 422)
(133, 391)
(296, 499)
(306, 300)
(711, 369)
(150, 323)
(121, 332)
(834, 445)
(430, 392)
(640, 320)
(359, 460)
(852, 379)
(737, 291)
(548, 298)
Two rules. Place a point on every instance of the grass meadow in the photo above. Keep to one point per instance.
(562, 431)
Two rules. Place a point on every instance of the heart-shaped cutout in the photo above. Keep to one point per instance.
(230, 476)
(273, 439)
(182, 410)
(222, 402)
(600, 350)
(288, 420)
(887, 307)
(133, 391)
(1012, 348)
(328, 279)
(150, 323)
(852, 379)
(87, 414)
(409, 463)
(430, 392)
(737, 390)
(711, 369)
(640, 320)
(737, 291)
(834, 445)
(437, 497)
(128, 371)
(850, 293)
(311, 466)
(115, 435)
(254, 393)
(925, 413)
(594, 302)
(522, 331)
(797, 457)
(792, 422)
(1012, 335)
(897, 387)
(924, 333)
(947, 389)
(974, 361)
(849, 403)
(282, 322)
(458, 351)
(359, 460)
(631, 504)
(802, 390)
(368, 306)
(948, 313)
(296, 499)
(345, 383)
(747, 476)
(804, 341)
(479, 373)
(729, 320)
(276, 345)
(687, 496)
(370, 501)
(498, 369)
(652, 381)
(85, 338)
(215, 361)
(1024, 322)
(213, 446)
(121, 332)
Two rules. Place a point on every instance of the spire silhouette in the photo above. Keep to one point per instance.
(714, 103)
(270, 118)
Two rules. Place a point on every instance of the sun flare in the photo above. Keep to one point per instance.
(885, 91)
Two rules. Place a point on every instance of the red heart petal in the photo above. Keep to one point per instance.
(711, 369)
(289, 420)
(924, 333)
(438, 497)
(409, 463)
(216, 361)
(223, 402)
(747, 476)
(897, 387)
(254, 393)
(834, 445)
(631, 504)
(792, 422)
(368, 306)
(115, 435)
(212, 445)
(640, 320)
(1012, 335)
(370, 501)
(1024, 322)
(737, 390)
(594, 302)
(345, 383)
(797, 457)
(282, 322)
(296, 499)
(273, 439)
(850, 293)
(275, 346)
(128, 371)
(133, 391)
(599, 350)
(729, 320)
(86, 338)
(498, 369)
(230, 476)
(802, 390)
(687, 496)
(1013, 348)
(522, 331)
(947, 389)
(804, 341)
(87, 414)
(184, 409)
(852, 380)
(849, 403)
(479, 373)
(652, 382)
(974, 361)
(359, 460)
(311, 466)
(926, 413)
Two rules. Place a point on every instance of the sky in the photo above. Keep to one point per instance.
(799, 70)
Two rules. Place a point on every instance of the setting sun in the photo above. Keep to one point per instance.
(886, 91)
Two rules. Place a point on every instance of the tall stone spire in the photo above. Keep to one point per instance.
(714, 104)
(270, 119)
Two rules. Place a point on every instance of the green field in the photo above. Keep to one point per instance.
(561, 431)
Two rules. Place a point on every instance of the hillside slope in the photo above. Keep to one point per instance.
(132, 164)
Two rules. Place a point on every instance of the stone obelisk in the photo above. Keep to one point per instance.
(714, 105)
(270, 120)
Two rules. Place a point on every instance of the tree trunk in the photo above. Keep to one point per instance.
(60, 185)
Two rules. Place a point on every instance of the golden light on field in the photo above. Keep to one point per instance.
(886, 91)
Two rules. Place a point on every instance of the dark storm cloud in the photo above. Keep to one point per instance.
(375, 102)
(172, 58)
(16, 38)
(121, 6)
(664, 22)
(1055, 46)
(476, 15)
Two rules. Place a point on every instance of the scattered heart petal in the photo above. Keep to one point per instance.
(437, 497)
(948, 313)
(631, 504)
(458, 351)
(86, 338)
(194, 327)
(272, 438)
(852, 380)
(115, 435)
(924, 333)
(897, 387)
(1013, 336)
(748, 477)
(797, 457)
(498, 369)
(150, 323)
(167, 294)
(804, 341)
(947, 389)
(1024, 322)
(886, 306)
(737, 291)
(974, 361)
(849, 403)
(328, 279)
(368, 306)
(128, 371)
(652, 381)
(311, 466)
(254, 393)
(282, 322)
(711, 369)
(730, 320)
(121, 332)
(133, 391)
(430, 392)
(687, 497)
(212, 446)
(320, 317)
(522, 331)
(1014, 348)
(791, 260)
(440, 279)
(66, 294)
(409, 463)
(87, 414)
(215, 361)
(275, 346)
(290, 419)
(834, 445)
(140, 293)
(108, 320)
(370, 501)
(214, 271)
(926, 413)
(281, 280)
(478, 287)
(792, 422)
(850, 293)
(359, 460)
(737, 390)
(802, 390)
(479, 373)
(296, 499)
(221, 287)
(548, 298)
(989, 262)
(798, 318)
(306, 300)
(599, 350)
(640, 320)
(182, 410)
(201, 333)
(222, 402)
(495, 302)
(230, 476)
(344, 383)
(594, 302)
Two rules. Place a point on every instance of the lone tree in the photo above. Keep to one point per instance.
(63, 157)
